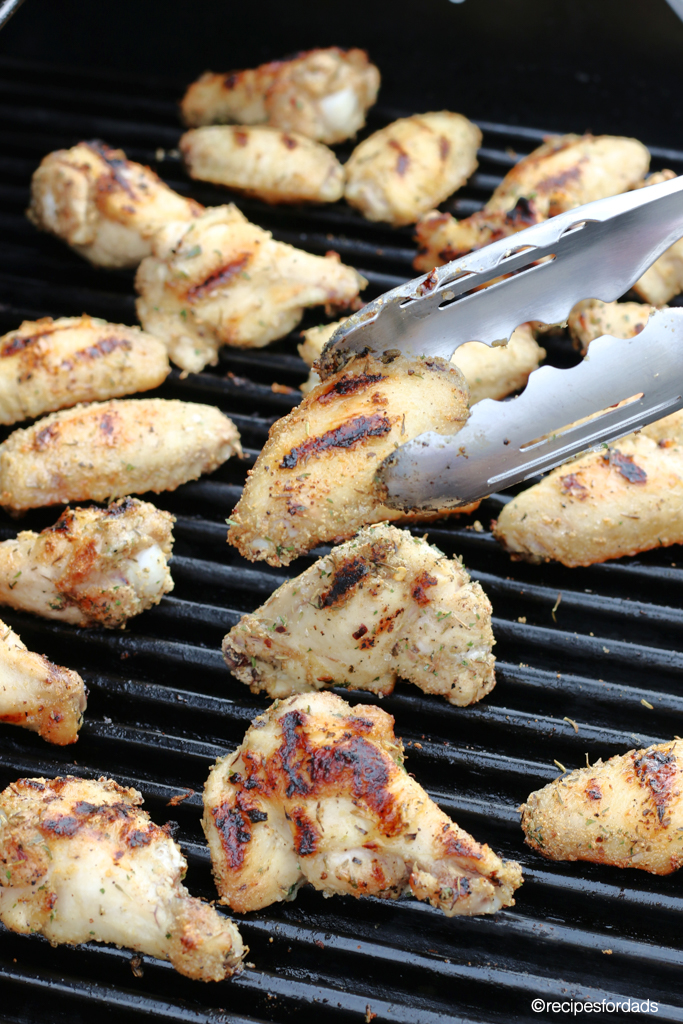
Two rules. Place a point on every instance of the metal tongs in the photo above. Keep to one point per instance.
(595, 251)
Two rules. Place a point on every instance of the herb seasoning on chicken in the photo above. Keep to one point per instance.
(317, 793)
(81, 861)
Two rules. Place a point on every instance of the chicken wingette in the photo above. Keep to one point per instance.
(81, 861)
(93, 567)
(627, 812)
(314, 480)
(382, 606)
(664, 278)
(38, 695)
(490, 371)
(592, 318)
(224, 281)
(317, 793)
(622, 500)
(264, 162)
(410, 166)
(52, 364)
(323, 94)
(566, 171)
(108, 449)
(106, 207)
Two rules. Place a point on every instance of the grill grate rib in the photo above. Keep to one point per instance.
(163, 706)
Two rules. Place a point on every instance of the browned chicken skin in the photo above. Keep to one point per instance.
(318, 793)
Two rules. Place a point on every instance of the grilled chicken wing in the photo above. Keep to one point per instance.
(108, 449)
(592, 318)
(51, 364)
(264, 162)
(318, 793)
(224, 281)
(93, 567)
(80, 861)
(566, 171)
(627, 812)
(323, 94)
(410, 166)
(314, 480)
(625, 499)
(383, 605)
(38, 695)
(104, 206)
(490, 372)
(664, 278)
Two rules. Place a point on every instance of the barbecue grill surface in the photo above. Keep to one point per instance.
(162, 704)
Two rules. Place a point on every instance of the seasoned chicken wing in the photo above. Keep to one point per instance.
(80, 861)
(108, 449)
(566, 171)
(592, 318)
(490, 371)
(93, 567)
(382, 606)
(318, 793)
(104, 206)
(38, 695)
(627, 812)
(664, 278)
(51, 364)
(314, 480)
(323, 94)
(622, 500)
(264, 162)
(410, 166)
(224, 281)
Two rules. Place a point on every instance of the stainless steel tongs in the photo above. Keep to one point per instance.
(595, 251)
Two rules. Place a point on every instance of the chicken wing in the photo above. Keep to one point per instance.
(318, 793)
(224, 281)
(323, 94)
(627, 812)
(93, 567)
(108, 449)
(410, 166)
(490, 372)
(427, 622)
(664, 278)
(80, 861)
(264, 162)
(592, 318)
(51, 364)
(566, 171)
(38, 695)
(104, 206)
(622, 500)
(314, 480)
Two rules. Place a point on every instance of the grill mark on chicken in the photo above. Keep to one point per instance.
(522, 214)
(289, 142)
(348, 435)
(593, 791)
(418, 591)
(116, 509)
(240, 137)
(108, 423)
(349, 385)
(306, 836)
(114, 164)
(347, 576)
(235, 833)
(46, 436)
(625, 465)
(403, 161)
(385, 625)
(219, 278)
(18, 344)
(361, 631)
(444, 147)
(572, 486)
(658, 771)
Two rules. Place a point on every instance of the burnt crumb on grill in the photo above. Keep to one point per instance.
(625, 465)
(348, 435)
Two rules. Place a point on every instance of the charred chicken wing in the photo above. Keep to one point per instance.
(627, 812)
(264, 162)
(38, 695)
(566, 171)
(93, 567)
(108, 449)
(383, 605)
(51, 364)
(80, 861)
(410, 166)
(104, 206)
(314, 480)
(323, 94)
(224, 281)
(318, 793)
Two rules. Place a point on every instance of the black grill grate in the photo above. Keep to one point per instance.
(162, 704)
